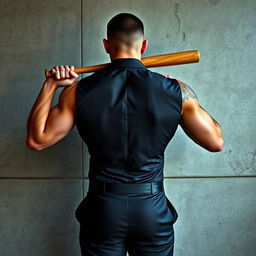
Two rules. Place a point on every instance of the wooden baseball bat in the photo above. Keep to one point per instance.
(168, 59)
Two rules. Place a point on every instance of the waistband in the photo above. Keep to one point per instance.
(98, 187)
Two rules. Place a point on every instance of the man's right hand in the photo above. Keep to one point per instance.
(61, 76)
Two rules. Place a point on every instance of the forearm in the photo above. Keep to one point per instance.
(39, 113)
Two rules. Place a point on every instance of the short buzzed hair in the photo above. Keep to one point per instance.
(125, 28)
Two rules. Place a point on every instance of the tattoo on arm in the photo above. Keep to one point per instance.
(186, 91)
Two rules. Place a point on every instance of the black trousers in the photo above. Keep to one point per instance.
(112, 224)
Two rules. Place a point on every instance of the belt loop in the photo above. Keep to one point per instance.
(151, 186)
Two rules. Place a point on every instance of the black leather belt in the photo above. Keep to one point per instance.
(101, 187)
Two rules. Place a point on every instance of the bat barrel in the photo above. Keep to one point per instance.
(171, 59)
(168, 59)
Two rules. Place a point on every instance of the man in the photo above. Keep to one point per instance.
(127, 115)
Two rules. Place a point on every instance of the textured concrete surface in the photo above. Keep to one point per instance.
(216, 215)
(38, 217)
(35, 35)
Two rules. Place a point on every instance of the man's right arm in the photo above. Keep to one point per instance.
(197, 123)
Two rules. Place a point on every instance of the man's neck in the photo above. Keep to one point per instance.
(125, 55)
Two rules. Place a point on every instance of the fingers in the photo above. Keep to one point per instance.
(67, 69)
(57, 74)
(53, 71)
(72, 71)
(47, 73)
(63, 72)
(168, 76)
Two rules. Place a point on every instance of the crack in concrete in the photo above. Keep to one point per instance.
(176, 13)
(176, 10)
(183, 36)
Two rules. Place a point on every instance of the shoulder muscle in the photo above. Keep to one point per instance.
(187, 91)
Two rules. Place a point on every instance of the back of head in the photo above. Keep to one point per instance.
(125, 31)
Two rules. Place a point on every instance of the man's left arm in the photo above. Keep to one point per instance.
(46, 126)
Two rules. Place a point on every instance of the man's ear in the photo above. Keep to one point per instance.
(144, 46)
(106, 45)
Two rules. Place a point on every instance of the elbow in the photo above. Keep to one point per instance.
(32, 145)
(218, 146)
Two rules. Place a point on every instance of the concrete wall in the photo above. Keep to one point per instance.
(214, 193)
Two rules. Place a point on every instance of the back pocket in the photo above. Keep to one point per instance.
(82, 209)
(173, 211)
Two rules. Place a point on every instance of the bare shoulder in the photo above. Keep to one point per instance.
(187, 92)
(189, 97)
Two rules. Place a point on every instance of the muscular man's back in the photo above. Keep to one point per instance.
(127, 115)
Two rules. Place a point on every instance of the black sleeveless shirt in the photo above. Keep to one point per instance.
(127, 114)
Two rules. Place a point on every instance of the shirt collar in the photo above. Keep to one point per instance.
(127, 62)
